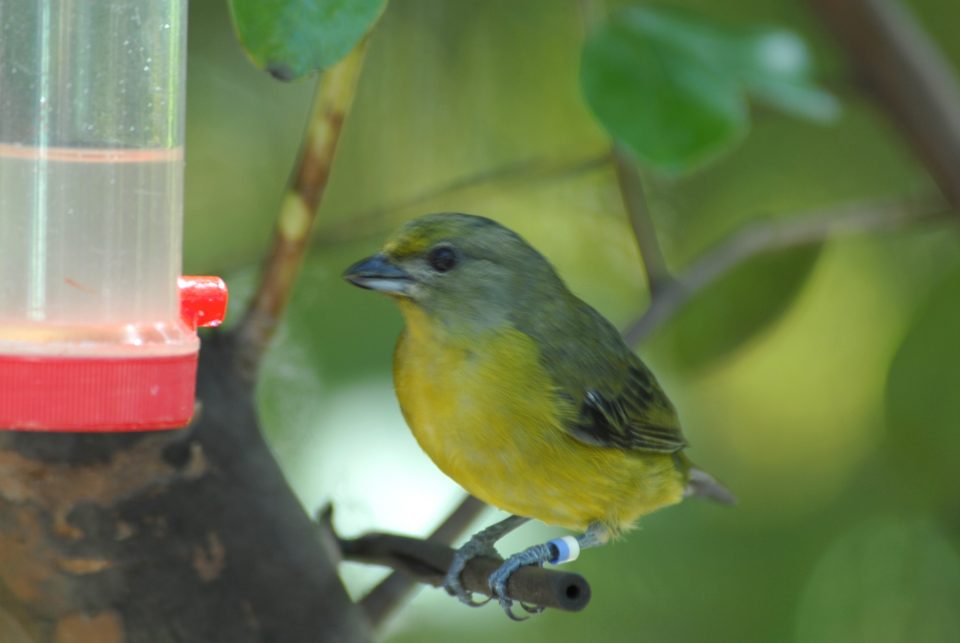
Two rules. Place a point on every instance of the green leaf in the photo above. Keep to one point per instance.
(290, 38)
(923, 404)
(673, 87)
(655, 93)
(738, 306)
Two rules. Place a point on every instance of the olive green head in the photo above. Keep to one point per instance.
(459, 267)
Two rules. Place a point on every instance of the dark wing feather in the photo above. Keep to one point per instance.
(638, 417)
(610, 398)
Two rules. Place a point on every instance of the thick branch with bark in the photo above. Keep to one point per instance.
(181, 536)
(909, 76)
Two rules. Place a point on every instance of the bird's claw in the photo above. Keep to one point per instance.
(455, 588)
(465, 554)
(532, 609)
(506, 604)
(536, 555)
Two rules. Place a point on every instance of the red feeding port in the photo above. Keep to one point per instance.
(64, 385)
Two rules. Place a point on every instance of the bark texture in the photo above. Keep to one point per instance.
(185, 536)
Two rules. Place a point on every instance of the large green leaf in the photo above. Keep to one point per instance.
(738, 306)
(673, 87)
(659, 97)
(290, 38)
(923, 395)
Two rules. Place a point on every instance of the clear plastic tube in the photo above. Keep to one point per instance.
(91, 175)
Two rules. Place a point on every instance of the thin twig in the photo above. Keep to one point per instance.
(635, 203)
(298, 211)
(419, 560)
(909, 76)
(428, 561)
(456, 524)
(383, 600)
(356, 225)
(770, 236)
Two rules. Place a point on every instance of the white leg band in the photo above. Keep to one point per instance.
(568, 549)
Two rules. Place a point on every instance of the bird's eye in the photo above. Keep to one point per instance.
(442, 258)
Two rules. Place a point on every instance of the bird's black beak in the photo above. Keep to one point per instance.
(378, 273)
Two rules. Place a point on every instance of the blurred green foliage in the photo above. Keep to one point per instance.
(923, 402)
(888, 580)
(673, 86)
(819, 384)
(738, 306)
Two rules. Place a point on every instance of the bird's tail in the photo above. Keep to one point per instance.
(700, 483)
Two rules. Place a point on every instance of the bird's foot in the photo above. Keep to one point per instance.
(474, 548)
(536, 555)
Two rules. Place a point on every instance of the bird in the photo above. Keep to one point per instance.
(524, 394)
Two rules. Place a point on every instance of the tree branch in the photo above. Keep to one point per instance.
(428, 561)
(635, 203)
(298, 211)
(770, 236)
(911, 79)
(384, 599)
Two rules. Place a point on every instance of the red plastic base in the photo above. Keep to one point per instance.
(96, 394)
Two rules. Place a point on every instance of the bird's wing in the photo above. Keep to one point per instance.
(637, 416)
(606, 395)
(610, 398)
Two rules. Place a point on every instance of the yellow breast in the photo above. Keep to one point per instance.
(488, 414)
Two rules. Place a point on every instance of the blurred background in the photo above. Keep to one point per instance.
(819, 383)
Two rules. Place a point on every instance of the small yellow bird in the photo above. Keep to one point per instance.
(524, 394)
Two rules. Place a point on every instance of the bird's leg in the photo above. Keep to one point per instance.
(480, 544)
(556, 551)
